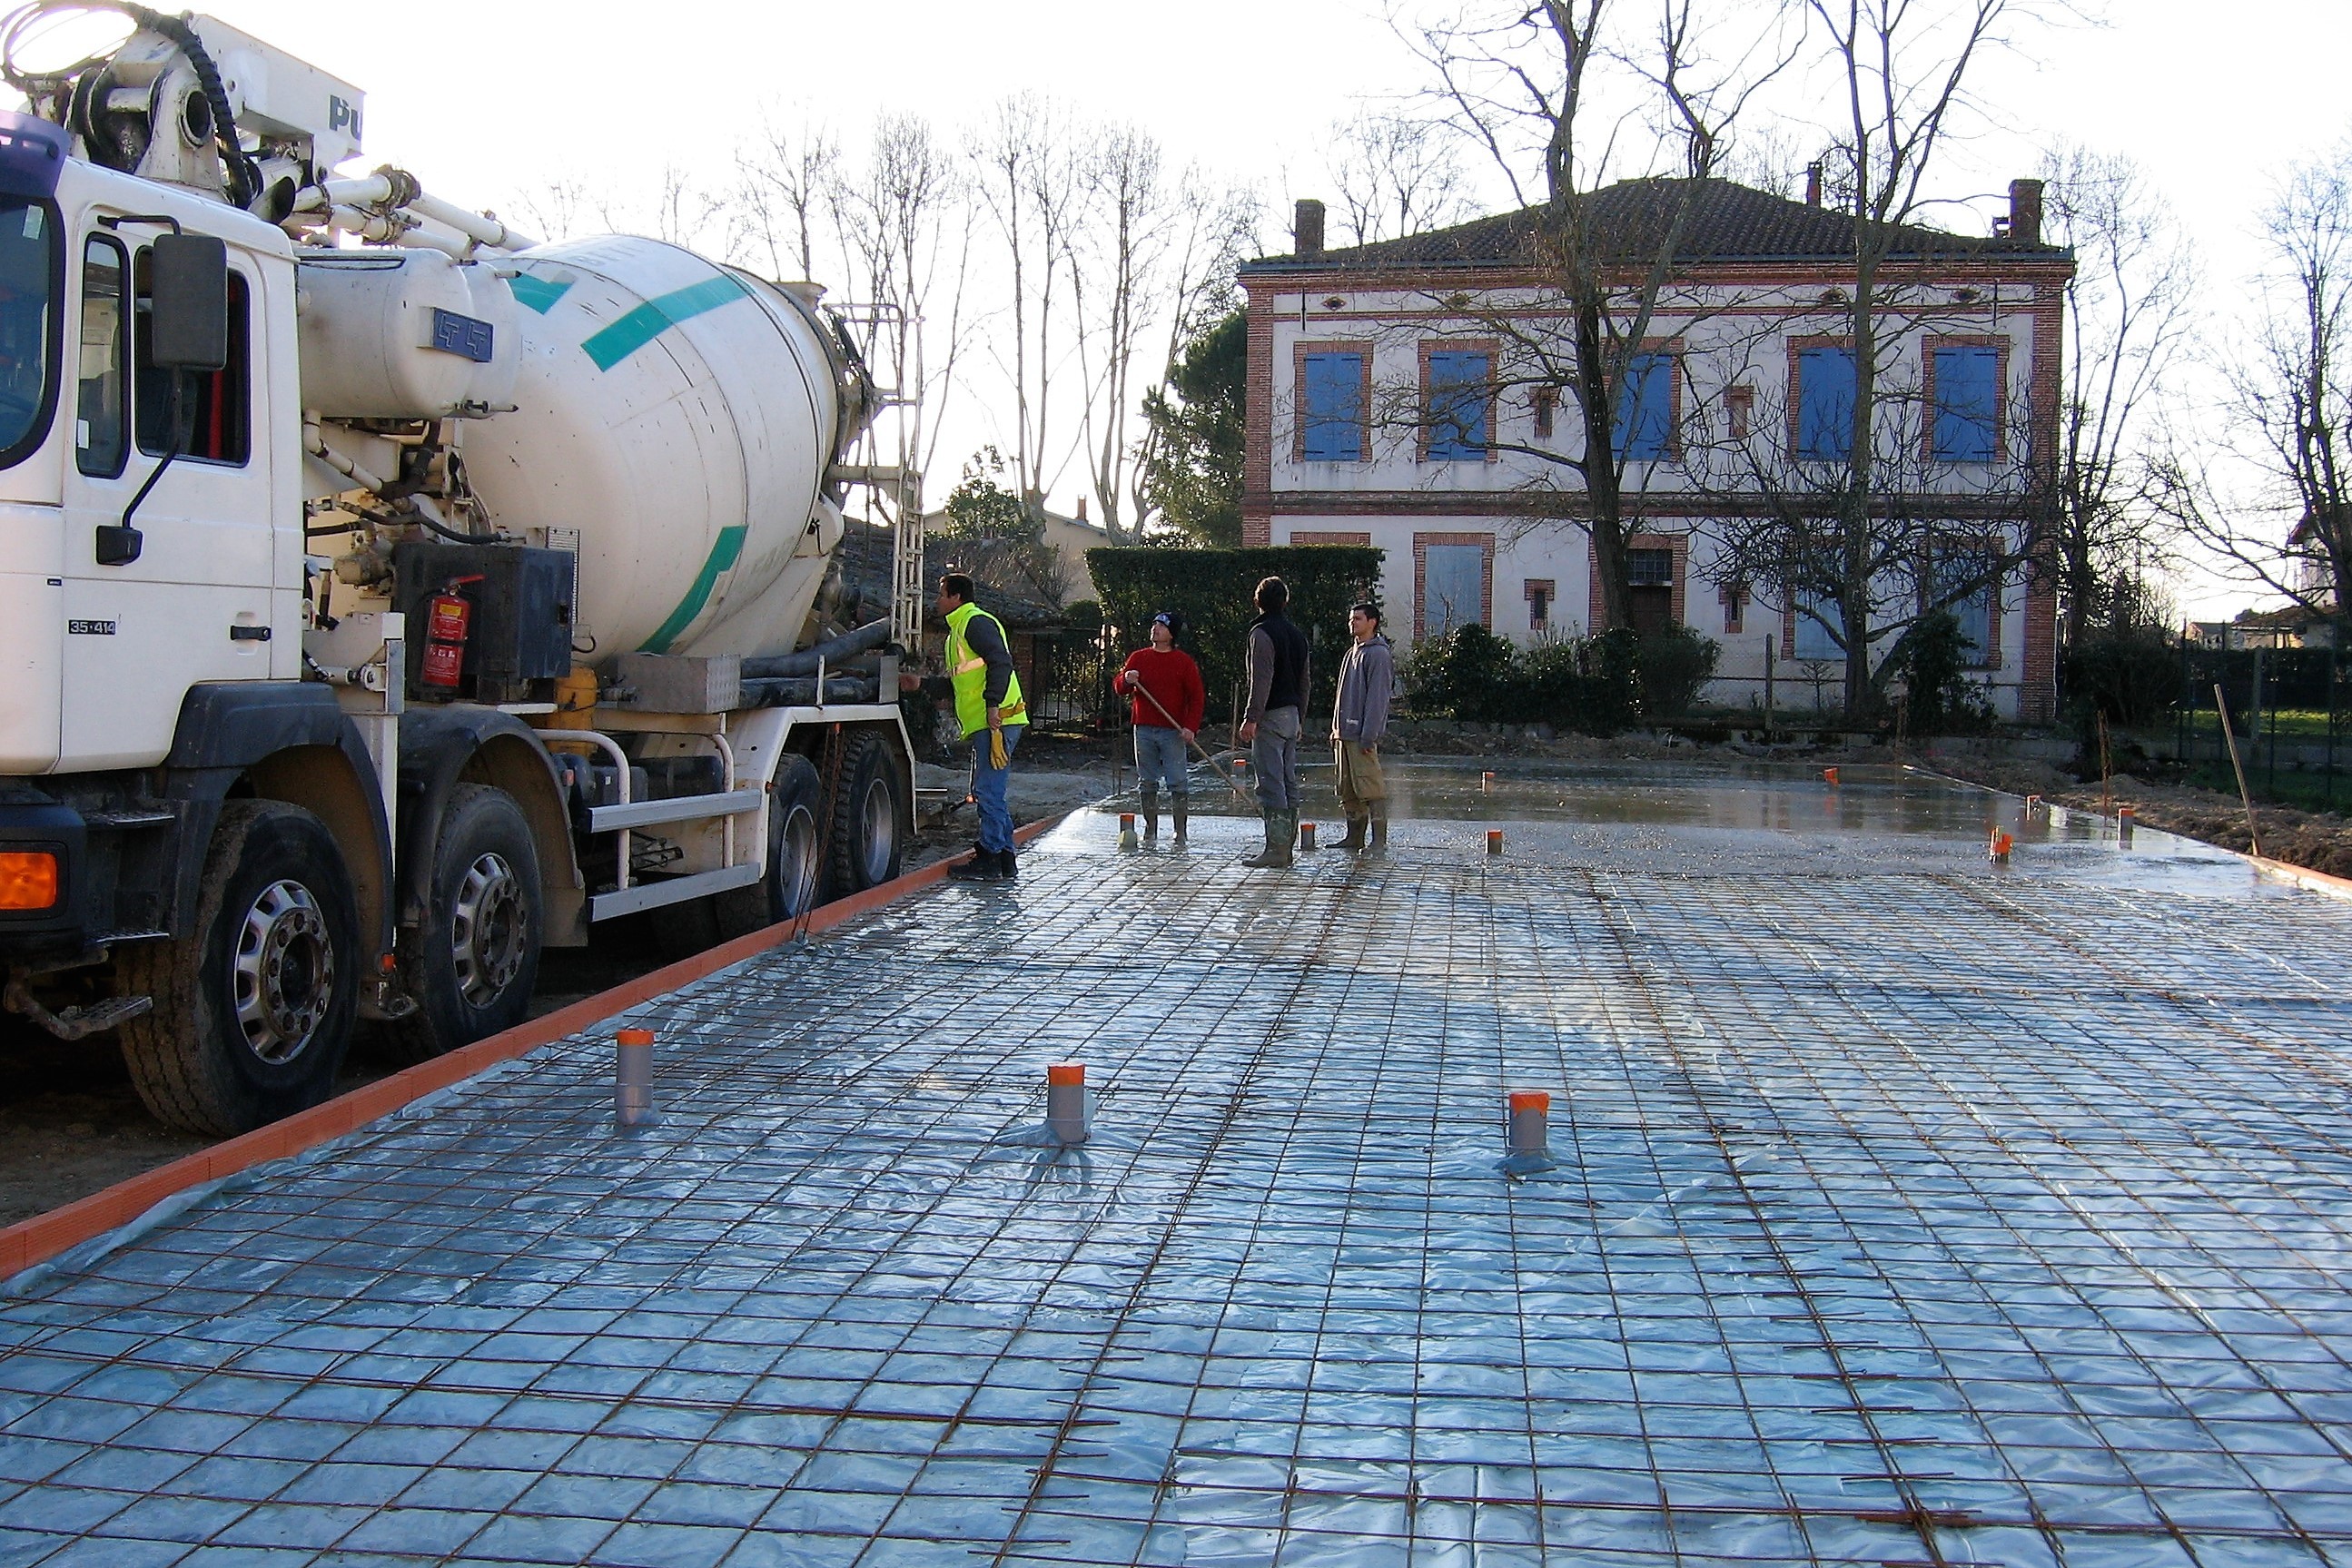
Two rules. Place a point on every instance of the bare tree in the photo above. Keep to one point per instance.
(555, 210)
(1563, 96)
(1115, 282)
(1926, 548)
(1901, 72)
(2129, 317)
(1151, 249)
(2290, 410)
(1028, 181)
(680, 211)
(785, 185)
(909, 229)
(1396, 174)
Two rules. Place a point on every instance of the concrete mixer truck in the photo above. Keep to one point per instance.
(386, 595)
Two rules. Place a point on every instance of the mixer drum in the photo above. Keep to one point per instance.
(680, 416)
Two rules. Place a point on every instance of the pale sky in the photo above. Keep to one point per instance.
(487, 99)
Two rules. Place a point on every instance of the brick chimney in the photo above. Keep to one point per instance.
(2025, 211)
(1812, 184)
(1082, 508)
(1307, 227)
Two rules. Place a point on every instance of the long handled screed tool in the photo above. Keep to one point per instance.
(1230, 782)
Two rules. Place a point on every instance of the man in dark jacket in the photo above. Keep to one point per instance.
(1359, 720)
(1271, 723)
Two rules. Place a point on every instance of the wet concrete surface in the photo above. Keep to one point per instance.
(1904, 1208)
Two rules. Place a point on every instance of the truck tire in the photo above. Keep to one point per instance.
(254, 1006)
(473, 960)
(866, 848)
(795, 859)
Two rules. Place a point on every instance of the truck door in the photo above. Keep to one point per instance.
(196, 603)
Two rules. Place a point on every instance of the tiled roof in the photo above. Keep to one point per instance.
(1628, 221)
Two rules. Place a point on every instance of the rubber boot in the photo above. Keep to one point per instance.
(1355, 838)
(1271, 855)
(1008, 866)
(1379, 844)
(1182, 805)
(1150, 804)
(981, 867)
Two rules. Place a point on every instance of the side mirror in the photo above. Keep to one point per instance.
(187, 285)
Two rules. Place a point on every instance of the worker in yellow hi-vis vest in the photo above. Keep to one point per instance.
(989, 707)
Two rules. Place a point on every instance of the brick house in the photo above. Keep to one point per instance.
(1351, 351)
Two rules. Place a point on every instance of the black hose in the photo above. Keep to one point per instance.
(788, 692)
(871, 635)
(244, 176)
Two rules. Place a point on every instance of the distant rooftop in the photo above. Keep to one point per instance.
(1729, 223)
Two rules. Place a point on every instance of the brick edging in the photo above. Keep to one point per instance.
(2324, 882)
(43, 1237)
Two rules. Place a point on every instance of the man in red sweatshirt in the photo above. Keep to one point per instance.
(1164, 684)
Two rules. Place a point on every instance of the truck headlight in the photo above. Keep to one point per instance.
(28, 879)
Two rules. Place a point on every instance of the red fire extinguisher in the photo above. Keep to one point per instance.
(448, 615)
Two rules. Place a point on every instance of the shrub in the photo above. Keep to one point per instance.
(1468, 673)
(2129, 674)
(1596, 685)
(1210, 591)
(1675, 663)
(1933, 666)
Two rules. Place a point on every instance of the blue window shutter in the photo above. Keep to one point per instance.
(1335, 408)
(1968, 402)
(1646, 412)
(1458, 405)
(1825, 392)
(1815, 641)
(1955, 567)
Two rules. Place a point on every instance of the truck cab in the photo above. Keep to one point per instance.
(238, 812)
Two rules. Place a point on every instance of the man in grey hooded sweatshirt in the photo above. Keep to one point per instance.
(1359, 720)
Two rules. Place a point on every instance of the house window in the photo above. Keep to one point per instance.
(1968, 404)
(1817, 614)
(1546, 402)
(1645, 425)
(1452, 582)
(1740, 406)
(1650, 589)
(1539, 594)
(1970, 571)
(1333, 419)
(1825, 393)
(1733, 596)
(1458, 403)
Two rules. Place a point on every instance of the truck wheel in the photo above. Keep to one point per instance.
(795, 860)
(254, 1006)
(472, 962)
(867, 849)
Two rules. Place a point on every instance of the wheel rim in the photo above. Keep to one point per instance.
(489, 929)
(285, 969)
(796, 859)
(878, 832)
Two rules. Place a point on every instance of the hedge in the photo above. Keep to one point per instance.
(1211, 589)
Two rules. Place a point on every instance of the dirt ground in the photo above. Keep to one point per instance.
(71, 1124)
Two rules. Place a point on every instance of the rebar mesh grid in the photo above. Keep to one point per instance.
(1906, 1211)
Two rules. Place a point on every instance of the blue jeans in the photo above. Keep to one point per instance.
(1159, 758)
(988, 790)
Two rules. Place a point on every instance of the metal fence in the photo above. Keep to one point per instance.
(2291, 709)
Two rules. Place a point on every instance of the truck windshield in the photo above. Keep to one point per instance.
(28, 272)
